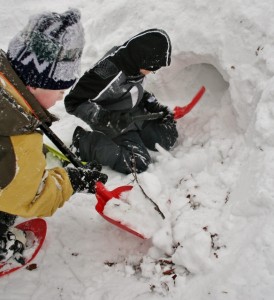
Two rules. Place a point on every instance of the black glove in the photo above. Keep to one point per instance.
(151, 104)
(84, 179)
(93, 166)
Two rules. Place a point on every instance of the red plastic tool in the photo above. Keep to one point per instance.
(39, 228)
(103, 195)
(179, 112)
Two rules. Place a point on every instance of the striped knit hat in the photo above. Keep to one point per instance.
(47, 52)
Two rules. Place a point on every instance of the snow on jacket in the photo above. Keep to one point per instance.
(27, 189)
(115, 82)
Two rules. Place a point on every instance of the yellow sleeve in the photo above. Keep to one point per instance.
(56, 189)
(34, 191)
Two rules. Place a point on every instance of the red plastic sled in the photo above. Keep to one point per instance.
(39, 228)
(103, 196)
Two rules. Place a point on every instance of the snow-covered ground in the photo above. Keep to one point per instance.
(215, 188)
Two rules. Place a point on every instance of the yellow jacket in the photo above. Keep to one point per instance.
(27, 189)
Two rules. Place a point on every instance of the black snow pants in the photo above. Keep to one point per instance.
(128, 152)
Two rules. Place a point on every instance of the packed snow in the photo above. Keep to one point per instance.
(138, 215)
(215, 188)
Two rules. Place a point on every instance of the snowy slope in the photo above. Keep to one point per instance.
(215, 188)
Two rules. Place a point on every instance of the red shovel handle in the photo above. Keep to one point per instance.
(179, 112)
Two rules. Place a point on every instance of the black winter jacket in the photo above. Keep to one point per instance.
(115, 83)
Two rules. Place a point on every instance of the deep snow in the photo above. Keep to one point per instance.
(215, 187)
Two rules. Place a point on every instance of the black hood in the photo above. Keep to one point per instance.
(149, 50)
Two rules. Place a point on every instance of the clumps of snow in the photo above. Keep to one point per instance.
(195, 253)
(134, 210)
(264, 120)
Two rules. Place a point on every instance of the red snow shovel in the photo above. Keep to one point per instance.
(103, 196)
(179, 112)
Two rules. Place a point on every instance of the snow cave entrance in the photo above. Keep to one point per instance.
(177, 85)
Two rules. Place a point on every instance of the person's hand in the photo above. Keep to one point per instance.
(84, 179)
(93, 165)
(151, 104)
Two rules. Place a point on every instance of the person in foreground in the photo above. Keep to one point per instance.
(111, 99)
(46, 56)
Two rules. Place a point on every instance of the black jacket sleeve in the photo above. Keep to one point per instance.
(81, 100)
(87, 88)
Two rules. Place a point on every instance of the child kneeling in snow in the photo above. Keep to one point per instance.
(111, 99)
(46, 56)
